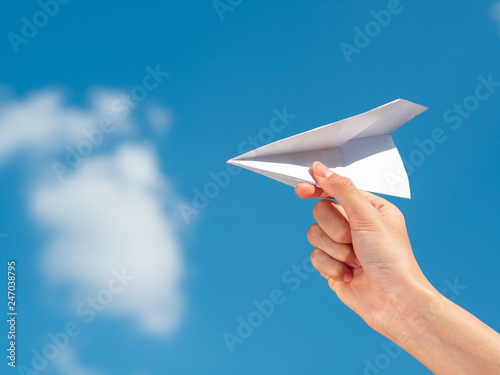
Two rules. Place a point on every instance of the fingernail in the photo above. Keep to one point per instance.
(356, 262)
(321, 170)
(348, 276)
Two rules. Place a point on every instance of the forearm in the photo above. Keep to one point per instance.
(443, 336)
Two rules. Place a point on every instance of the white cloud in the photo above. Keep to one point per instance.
(109, 215)
(43, 123)
(112, 212)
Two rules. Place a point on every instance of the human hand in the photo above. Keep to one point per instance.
(362, 249)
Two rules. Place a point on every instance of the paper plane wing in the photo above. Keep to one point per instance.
(359, 147)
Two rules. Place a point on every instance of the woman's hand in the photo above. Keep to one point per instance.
(362, 249)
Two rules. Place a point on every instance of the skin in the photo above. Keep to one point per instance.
(363, 250)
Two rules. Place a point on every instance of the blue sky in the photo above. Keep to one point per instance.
(120, 206)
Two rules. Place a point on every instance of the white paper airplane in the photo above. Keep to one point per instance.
(359, 147)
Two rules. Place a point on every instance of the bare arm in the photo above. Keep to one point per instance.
(362, 249)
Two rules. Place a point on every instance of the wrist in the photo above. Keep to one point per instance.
(410, 312)
(441, 335)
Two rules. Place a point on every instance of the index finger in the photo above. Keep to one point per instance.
(308, 191)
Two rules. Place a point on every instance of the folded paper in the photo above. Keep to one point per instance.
(359, 147)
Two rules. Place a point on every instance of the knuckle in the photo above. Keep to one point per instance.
(320, 206)
(399, 215)
(346, 184)
(343, 233)
(313, 232)
(395, 214)
(315, 256)
(335, 270)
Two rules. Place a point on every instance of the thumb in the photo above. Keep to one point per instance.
(359, 210)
